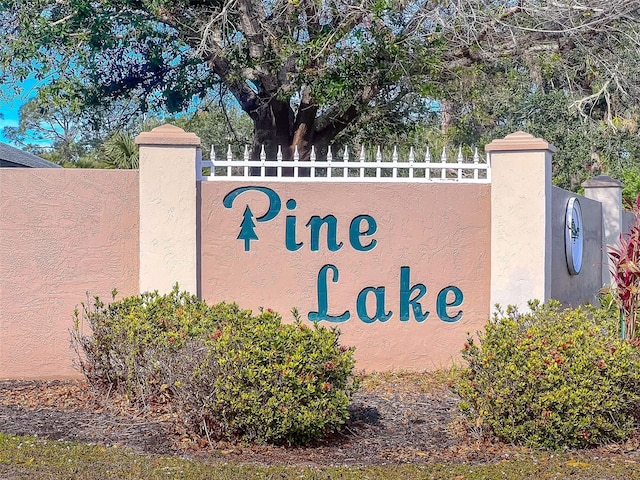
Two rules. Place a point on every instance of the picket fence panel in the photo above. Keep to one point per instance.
(346, 169)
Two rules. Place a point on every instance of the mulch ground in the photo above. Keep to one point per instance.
(392, 422)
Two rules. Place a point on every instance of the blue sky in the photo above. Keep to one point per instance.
(10, 103)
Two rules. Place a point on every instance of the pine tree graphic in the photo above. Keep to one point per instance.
(247, 229)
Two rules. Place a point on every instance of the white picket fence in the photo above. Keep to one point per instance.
(346, 169)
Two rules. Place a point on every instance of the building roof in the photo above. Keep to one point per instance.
(23, 159)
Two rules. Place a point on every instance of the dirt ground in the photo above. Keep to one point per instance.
(394, 422)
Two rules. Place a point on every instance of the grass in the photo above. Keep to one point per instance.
(34, 459)
(23, 457)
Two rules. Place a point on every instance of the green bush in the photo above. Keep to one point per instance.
(129, 338)
(260, 380)
(551, 378)
(226, 372)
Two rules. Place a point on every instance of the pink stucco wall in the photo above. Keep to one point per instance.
(63, 232)
(440, 231)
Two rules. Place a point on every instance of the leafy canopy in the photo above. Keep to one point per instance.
(305, 71)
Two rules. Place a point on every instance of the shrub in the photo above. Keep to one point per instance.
(551, 378)
(625, 271)
(260, 380)
(227, 373)
(131, 337)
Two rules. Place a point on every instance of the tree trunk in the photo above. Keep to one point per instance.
(271, 129)
(447, 116)
(274, 126)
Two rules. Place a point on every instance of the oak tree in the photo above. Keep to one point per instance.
(305, 70)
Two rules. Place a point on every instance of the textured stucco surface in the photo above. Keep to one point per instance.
(167, 217)
(576, 289)
(63, 232)
(520, 228)
(440, 231)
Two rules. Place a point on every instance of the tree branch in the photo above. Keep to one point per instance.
(330, 124)
(245, 96)
(251, 16)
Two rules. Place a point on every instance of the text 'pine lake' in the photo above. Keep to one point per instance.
(362, 229)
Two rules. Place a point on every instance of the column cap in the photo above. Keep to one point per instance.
(602, 181)
(519, 141)
(168, 135)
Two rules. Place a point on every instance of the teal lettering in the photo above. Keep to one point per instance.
(405, 297)
(247, 229)
(274, 201)
(323, 300)
(442, 305)
(316, 223)
(248, 226)
(361, 304)
(290, 229)
(355, 233)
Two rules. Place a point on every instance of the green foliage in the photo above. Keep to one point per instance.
(607, 302)
(551, 378)
(631, 179)
(228, 373)
(218, 126)
(591, 137)
(128, 334)
(260, 380)
(120, 151)
(305, 67)
(51, 117)
(305, 71)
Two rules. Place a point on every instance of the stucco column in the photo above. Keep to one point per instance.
(608, 192)
(168, 209)
(520, 219)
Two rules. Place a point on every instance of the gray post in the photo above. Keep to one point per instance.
(608, 192)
